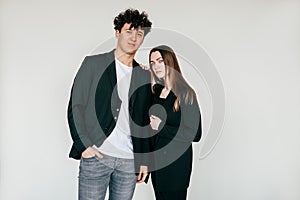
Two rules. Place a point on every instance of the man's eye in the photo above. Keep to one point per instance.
(160, 61)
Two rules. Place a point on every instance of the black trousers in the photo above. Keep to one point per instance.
(172, 195)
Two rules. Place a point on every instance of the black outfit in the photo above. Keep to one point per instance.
(173, 141)
(174, 195)
(94, 106)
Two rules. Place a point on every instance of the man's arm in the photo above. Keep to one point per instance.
(77, 105)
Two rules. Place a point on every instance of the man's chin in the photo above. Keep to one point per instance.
(131, 52)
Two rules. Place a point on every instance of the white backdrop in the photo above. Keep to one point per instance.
(254, 44)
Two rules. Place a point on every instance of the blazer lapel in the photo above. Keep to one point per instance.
(115, 99)
(110, 71)
(112, 74)
(133, 85)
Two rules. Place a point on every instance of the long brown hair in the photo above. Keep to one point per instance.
(173, 77)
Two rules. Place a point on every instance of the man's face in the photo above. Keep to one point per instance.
(129, 40)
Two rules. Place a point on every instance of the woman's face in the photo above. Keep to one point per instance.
(157, 64)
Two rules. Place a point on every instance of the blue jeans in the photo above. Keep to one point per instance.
(96, 174)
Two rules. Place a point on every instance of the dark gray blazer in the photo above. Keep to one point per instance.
(94, 106)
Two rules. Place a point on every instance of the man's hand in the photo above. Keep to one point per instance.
(144, 67)
(143, 174)
(91, 152)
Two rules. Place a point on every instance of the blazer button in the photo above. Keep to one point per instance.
(118, 109)
(115, 118)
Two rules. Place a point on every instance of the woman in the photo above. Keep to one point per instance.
(176, 121)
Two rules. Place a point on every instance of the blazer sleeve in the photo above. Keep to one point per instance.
(80, 93)
(143, 143)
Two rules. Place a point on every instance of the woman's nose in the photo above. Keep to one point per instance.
(154, 65)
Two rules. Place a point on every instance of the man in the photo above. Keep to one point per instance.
(108, 115)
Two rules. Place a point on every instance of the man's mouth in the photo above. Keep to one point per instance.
(130, 44)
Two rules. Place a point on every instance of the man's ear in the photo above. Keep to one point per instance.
(117, 33)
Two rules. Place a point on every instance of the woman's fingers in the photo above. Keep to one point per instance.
(153, 117)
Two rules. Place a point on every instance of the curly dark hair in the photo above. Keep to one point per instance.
(135, 18)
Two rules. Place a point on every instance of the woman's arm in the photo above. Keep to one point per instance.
(190, 128)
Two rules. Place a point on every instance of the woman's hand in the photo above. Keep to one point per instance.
(154, 122)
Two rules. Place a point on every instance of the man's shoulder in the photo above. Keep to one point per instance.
(107, 57)
(142, 73)
(95, 64)
(140, 70)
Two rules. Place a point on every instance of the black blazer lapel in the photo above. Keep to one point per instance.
(112, 76)
(133, 85)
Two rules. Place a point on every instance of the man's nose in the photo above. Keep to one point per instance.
(134, 35)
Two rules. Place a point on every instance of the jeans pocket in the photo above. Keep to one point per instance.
(90, 159)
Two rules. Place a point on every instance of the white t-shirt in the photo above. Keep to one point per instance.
(119, 143)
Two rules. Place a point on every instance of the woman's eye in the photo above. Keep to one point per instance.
(160, 61)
